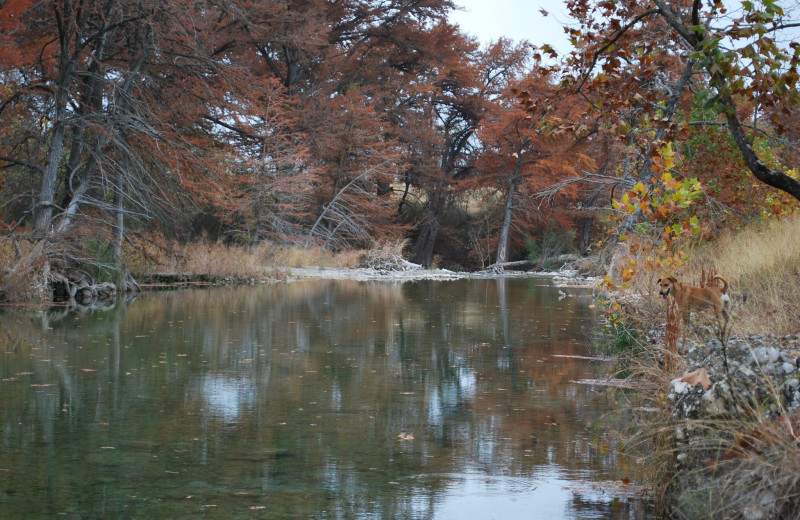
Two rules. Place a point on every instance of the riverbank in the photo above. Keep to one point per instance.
(399, 272)
(721, 433)
(725, 438)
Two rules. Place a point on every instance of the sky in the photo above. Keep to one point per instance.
(517, 19)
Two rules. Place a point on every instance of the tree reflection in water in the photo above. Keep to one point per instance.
(319, 399)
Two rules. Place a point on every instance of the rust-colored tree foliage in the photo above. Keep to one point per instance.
(341, 123)
(661, 48)
(527, 148)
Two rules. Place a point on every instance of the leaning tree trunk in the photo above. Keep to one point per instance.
(502, 246)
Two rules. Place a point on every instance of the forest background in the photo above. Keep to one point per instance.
(131, 128)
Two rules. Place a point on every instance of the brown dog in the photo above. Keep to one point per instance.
(691, 297)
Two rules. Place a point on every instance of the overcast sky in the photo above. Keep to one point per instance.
(517, 19)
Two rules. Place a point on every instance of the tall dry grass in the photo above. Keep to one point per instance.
(215, 259)
(762, 265)
(741, 465)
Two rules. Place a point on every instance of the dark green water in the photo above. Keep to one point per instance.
(312, 400)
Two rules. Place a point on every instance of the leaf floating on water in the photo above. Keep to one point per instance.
(406, 437)
(88, 370)
(258, 507)
(40, 385)
(107, 448)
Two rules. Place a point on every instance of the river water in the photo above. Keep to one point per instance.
(312, 400)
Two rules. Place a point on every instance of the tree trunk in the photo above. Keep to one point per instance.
(585, 227)
(502, 246)
(119, 236)
(256, 236)
(426, 241)
(429, 230)
(43, 211)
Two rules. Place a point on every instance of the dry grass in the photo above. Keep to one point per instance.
(153, 255)
(296, 256)
(21, 268)
(741, 464)
(762, 264)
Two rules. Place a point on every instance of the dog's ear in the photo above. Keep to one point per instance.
(672, 279)
(658, 281)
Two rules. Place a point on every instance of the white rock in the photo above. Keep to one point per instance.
(679, 387)
(712, 404)
(759, 355)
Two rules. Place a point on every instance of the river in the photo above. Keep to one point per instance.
(318, 399)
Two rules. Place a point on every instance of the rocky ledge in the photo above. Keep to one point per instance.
(734, 424)
(758, 368)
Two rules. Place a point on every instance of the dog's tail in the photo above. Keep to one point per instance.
(726, 300)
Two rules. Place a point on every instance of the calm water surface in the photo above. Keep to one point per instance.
(311, 400)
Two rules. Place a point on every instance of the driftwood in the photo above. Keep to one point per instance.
(499, 268)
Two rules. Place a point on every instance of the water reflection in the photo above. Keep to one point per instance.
(320, 399)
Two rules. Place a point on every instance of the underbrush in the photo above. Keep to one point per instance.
(752, 471)
(741, 463)
(21, 268)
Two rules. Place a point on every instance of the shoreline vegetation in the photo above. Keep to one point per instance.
(29, 275)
